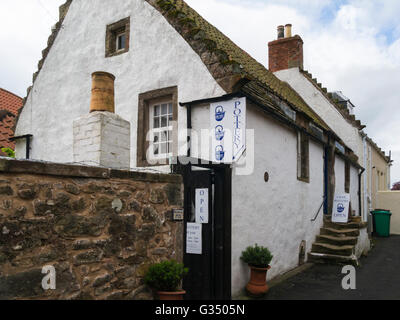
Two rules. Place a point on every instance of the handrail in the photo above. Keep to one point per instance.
(319, 210)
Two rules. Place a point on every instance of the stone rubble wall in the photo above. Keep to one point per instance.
(99, 228)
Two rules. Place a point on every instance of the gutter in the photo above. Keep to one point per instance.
(28, 138)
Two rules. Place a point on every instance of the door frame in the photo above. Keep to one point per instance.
(222, 173)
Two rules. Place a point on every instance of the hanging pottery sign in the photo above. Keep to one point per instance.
(341, 207)
(228, 130)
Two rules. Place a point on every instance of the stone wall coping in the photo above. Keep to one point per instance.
(9, 165)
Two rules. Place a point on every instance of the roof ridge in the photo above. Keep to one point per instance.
(15, 95)
(215, 48)
(342, 110)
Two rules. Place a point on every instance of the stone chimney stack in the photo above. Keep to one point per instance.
(287, 51)
(102, 137)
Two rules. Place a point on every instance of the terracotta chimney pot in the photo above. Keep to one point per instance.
(288, 31)
(281, 32)
(102, 92)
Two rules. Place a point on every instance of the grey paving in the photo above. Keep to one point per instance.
(378, 278)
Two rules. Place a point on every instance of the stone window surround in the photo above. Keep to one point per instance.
(145, 100)
(303, 157)
(112, 32)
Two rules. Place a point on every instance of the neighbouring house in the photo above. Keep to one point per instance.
(286, 61)
(10, 106)
(174, 75)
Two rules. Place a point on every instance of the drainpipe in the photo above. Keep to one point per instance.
(365, 211)
(359, 190)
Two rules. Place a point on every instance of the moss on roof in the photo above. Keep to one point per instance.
(232, 54)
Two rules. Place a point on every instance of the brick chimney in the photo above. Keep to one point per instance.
(102, 137)
(287, 51)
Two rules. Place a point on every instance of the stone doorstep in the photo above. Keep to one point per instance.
(337, 240)
(341, 232)
(332, 249)
(349, 225)
(332, 258)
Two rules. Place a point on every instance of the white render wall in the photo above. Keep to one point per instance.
(62, 90)
(323, 108)
(340, 182)
(339, 175)
(102, 138)
(276, 214)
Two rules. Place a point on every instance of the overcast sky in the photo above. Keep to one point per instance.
(352, 46)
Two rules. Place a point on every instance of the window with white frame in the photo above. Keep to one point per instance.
(161, 117)
(121, 41)
(157, 131)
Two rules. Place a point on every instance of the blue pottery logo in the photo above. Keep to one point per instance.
(219, 133)
(219, 113)
(219, 153)
(340, 207)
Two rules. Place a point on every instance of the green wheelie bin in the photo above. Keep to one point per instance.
(381, 222)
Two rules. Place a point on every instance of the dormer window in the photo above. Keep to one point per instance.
(117, 38)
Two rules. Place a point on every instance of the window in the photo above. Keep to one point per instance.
(303, 157)
(117, 38)
(121, 41)
(161, 118)
(157, 127)
(347, 177)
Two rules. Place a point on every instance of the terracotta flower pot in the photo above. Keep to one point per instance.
(257, 285)
(165, 295)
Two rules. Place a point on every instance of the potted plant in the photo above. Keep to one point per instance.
(166, 278)
(258, 259)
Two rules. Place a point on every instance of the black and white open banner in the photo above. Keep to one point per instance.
(228, 125)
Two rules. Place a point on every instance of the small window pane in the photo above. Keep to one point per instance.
(156, 148)
(156, 137)
(164, 136)
(164, 109)
(164, 122)
(169, 147)
(156, 110)
(170, 108)
(170, 119)
(156, 123)
(164, 148)
(121, 41)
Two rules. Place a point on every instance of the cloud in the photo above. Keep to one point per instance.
(25, 27)
(352, 46)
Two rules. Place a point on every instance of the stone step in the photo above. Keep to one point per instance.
(340, 232)
(349, 225)
(332, 259)
(339, 241)
(318, 247)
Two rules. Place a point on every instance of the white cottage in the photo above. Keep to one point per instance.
(171, 68)
(286, 62)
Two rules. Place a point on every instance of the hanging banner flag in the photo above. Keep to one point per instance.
(228, 126)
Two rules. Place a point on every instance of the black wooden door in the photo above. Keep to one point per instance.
(210, 272)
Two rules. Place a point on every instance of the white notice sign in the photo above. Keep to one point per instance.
(194, 238)
(341, 206)
(201, 205)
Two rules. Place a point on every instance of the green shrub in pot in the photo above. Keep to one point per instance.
(256, 256)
